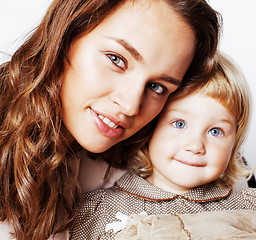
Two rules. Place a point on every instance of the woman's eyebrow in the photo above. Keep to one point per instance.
(171, 80)
(135, 54)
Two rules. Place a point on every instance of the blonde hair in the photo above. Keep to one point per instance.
(229, 87)
(38, 181)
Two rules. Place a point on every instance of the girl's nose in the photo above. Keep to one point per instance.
(195, 144)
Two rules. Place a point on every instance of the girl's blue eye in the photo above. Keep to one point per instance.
(116, 60)
(179, 124)
(216, 132)
(159, 89)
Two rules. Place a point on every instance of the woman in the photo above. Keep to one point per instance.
(90, 76)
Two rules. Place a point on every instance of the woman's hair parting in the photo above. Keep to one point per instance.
(229, 87)
(38, 180)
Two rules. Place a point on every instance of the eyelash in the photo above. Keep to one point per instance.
(219, 131)
(178, 121)
(111, 57)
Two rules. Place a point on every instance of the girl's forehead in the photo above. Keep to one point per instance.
(192, 102)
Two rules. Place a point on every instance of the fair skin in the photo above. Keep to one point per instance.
(192, 143)
(120, 75)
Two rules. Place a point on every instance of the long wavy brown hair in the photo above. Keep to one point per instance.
(38, 173)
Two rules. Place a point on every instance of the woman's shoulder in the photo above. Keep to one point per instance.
(5, 231)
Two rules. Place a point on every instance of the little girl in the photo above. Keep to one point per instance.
(188, 166)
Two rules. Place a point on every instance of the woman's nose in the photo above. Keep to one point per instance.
(129, 97)
(195, 143)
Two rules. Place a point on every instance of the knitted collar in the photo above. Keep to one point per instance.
(135, 185)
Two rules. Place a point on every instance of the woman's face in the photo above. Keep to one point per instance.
(121, 74)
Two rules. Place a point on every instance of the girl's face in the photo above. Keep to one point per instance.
(121, 74)
(192, 143)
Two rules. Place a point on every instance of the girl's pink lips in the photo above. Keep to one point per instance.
(192, 164)
(104, 128)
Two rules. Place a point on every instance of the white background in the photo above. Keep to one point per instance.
(18, 17)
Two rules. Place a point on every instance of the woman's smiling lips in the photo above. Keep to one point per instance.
(106, 126)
